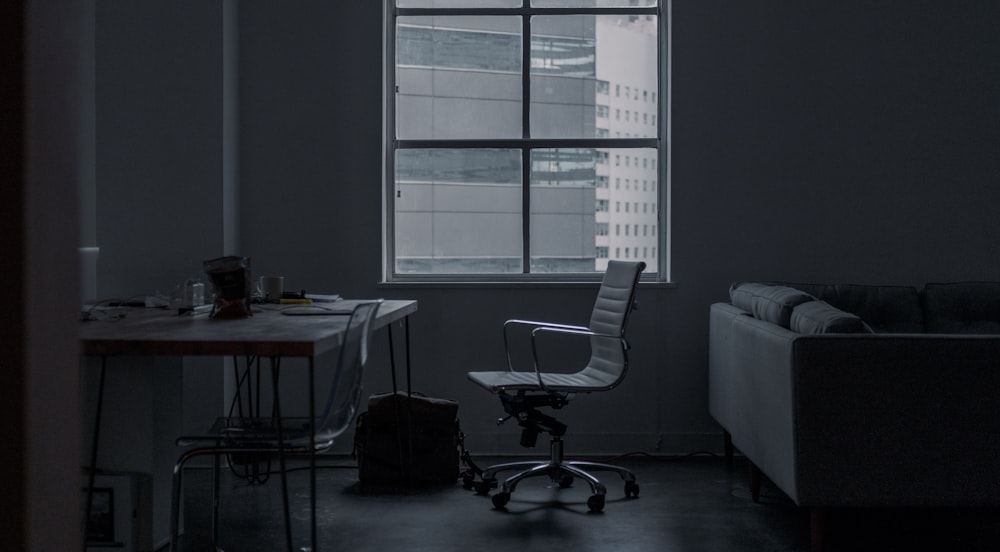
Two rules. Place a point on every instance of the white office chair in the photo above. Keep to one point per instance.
(250, 439)
(523, 392)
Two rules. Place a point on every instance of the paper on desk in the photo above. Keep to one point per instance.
(323, 298)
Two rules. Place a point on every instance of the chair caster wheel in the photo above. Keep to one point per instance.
(483, 487)
(631, 489)
(565, 481)
(595, 503)
(500, 500)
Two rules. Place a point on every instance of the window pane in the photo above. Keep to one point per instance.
(589, 3)
(563, 183)
(461, 3)
(592, 76)
(458, 211)
(592, 205)
(458, 77)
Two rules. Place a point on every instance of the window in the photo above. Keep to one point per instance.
(497, 147)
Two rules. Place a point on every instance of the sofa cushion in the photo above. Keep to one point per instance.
(816, 317)
(886, 309)
(962, 307)
(771, 303)
(741, 294)
(775, 303)
(812, 289)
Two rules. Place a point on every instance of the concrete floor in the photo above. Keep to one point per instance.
(694, 503)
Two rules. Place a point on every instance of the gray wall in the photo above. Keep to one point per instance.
(850, 142)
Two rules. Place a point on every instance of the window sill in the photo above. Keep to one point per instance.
(511, 284)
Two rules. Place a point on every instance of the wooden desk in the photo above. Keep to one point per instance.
(268, 333)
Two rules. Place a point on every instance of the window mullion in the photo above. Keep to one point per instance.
(526, 151)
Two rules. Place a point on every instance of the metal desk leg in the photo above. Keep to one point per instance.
(406, 353)
(93, 450)
(312, 453)
(275, 366)
(406, 327)
(409, 392)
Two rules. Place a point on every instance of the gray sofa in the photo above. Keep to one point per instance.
(862, 396)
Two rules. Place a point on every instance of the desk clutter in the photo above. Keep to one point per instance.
(231, 294)
(231, 281)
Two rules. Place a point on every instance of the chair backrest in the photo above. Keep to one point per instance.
(345, 392)
(615, 299)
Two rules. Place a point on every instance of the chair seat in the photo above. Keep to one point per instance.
(583, 381)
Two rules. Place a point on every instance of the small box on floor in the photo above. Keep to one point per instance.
(121, 513)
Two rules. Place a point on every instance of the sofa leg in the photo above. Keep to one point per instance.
(754, 482)
(817, 526)
(727, 446)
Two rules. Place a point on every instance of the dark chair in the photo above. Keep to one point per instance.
(523, 392)
(251, 440)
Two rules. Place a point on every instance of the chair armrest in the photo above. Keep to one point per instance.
(515, 321)
(567, 330)
(536, 324)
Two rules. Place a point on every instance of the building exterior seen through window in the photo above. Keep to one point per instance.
(521, 134)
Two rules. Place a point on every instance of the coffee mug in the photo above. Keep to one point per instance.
(271, 288)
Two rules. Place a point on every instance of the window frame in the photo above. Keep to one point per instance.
(660, 142)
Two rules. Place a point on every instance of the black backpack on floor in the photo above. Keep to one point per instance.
(408, 440)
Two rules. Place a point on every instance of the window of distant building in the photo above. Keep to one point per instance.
(499, 132)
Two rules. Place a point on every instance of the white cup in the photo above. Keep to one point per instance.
(194, 294)
(271, 288)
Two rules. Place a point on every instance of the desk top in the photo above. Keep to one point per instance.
(268, 332)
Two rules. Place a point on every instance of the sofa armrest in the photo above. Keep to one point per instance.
(903, 419)
(760, 414)
(724, 389)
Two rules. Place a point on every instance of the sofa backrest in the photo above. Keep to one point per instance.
(884, 309)
(887, 309)
(962, 307)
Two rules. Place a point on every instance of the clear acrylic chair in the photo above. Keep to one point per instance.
(250, 440)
